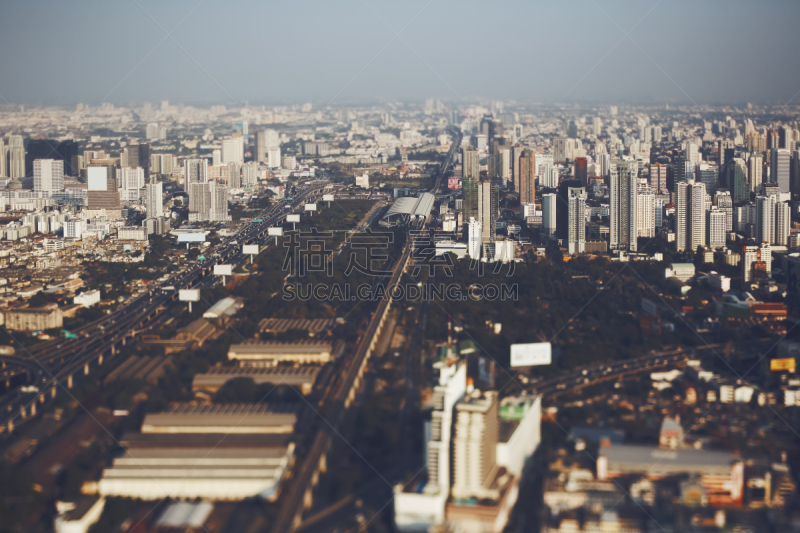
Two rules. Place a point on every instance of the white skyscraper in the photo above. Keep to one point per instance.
(3, 165)
(576, 218)
(208, 202)
(16, 156)
(130, 182)
(471, 164)
(645, 211)
(475, 234)
(549, 213)
(154, 199)
(623, 205)
(765, 219)
(234, 175)
(48, 175)
(716, 228)
(783, 220)
(250, 174)
(233, 150)
(779, 168)
(755, 169)
(474, 446)
(690, 216)
(195, 171)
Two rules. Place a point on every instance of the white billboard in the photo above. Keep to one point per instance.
(97, 178)
(537, 353)
(275, 232)
(189, 295)
(293, 218)
(199, 236)
(327, 197)
(250, 249)
(311, 207)
(223, 270)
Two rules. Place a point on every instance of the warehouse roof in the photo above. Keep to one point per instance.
(278, 347)
(629, 458)
(223, 418)
(413, 207)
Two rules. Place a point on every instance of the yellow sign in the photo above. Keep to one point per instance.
(782, 364)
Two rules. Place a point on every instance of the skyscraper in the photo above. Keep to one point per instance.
(469, 189)
(474, 446)
(581, 170)
(623, 210)
(138, 156)
(3, 163)
(130, 182)
(235, 175)
(487, 210)
(16, 157)
(576, 234)
(658, 178)
(233, 150)
(195, 171)
(765, 219)
(208, 202)
(154, 199)
(690, 216)
(708, 176)
(527, 177)
(102, 185)
(755, 167)
(645, 211)
(549, 213)
(474, 236)
(715, 224)
(48, 175)
(783, 221)
(471, 164)
(779, 171)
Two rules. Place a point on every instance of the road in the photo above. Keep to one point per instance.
(336, 398)
(62, 360)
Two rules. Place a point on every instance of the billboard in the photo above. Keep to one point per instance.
(223, 270)
(97, 178)
(311, 207)
(250, 249)
(777, 365)
(327, 197)
(199, 236)
(276, 232)
(648, 306)
(292, 218)
(537, 353)
(189, 295)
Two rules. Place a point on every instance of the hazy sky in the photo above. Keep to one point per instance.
(270, 52)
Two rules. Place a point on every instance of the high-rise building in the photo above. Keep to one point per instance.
(195, 171)
(645, 211)
(471, 164)
(783, 222)
(102, 187)
(233, 150)
(235, 175)
(138, 156)
(154, 199)
(690, 216)
(474, 446)
(724, 202)
(581, 170)
(3, 162)
(734, 178)
(208, 202)
(48, 175)
(755, 167)
(715, 225)
(765, 219)
(487, 209)
(576, 230)
(517, 152)
(250, 174)
(527, 177)
(779, 171)
(658, 178)
(130, 182)
(474, 237)
(549, 213)
(563, 216)
(622, 205)
(756, 262)
(16, 157)
(708, 176)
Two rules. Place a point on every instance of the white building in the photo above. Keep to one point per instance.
(132, 233)
(88, 298)
(645, 211)
(623, 205)
(363, 181)
(130, 183)
(233, 150)
(195, 171)
(719, 282)
(474, 235)
(48, 175)
(208, 202)
(154, 199)
(716, 225)
(73, 229)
